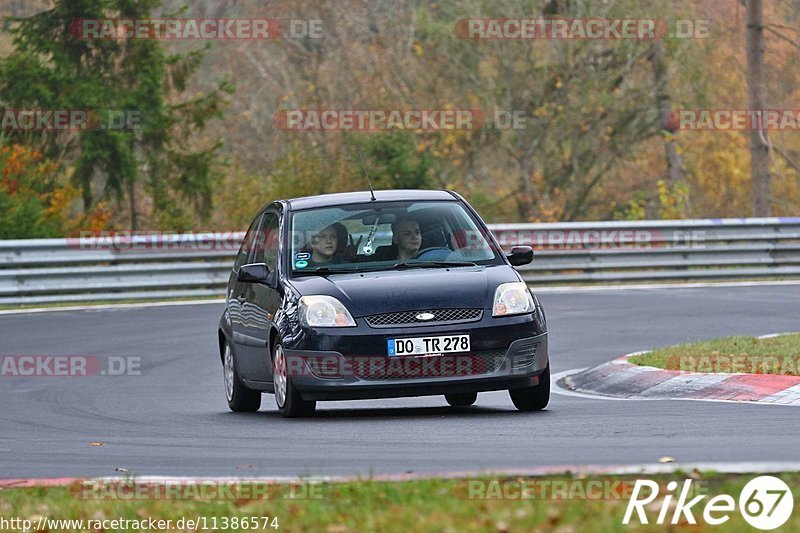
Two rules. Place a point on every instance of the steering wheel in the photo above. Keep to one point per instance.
(430, 249)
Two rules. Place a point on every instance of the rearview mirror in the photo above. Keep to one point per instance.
(381, 218)
(520, 255)
(253, 273)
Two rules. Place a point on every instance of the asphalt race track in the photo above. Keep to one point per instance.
(172, 419)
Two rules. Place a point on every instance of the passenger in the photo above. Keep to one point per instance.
(406, 240)
(327, 245)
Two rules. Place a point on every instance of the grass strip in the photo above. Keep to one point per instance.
(748, 355)
(562, 503)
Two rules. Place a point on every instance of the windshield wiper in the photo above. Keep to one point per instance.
(322, 271)
(431, 264)
(325, 270)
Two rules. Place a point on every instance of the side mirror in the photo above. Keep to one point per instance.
(520, 255)
(253, 273)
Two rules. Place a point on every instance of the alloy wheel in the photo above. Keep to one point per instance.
(228, 373)
(279, 376)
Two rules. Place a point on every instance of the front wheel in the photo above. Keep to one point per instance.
(240, 398)
(290, 403)
(533, 398)
(464, 399)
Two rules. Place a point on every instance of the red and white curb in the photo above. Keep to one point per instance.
(622, 379)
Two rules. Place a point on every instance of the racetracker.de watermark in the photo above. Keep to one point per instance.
(70, 119)
(599, 238)
(551, 489)
(193, 28)
(411, 365)
(735, 119)
(588, 28)
(157, 241)
(207, 490)
(737, 364)
(69, 366)
(377, 119)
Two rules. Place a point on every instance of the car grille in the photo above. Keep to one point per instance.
(409, 318)
(525, 354)
(421, 367)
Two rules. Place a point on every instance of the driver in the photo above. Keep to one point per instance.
(406, 237)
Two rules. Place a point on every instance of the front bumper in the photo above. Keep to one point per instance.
(351, 363)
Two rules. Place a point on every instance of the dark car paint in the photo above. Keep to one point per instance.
(257, 314)
(399, 290)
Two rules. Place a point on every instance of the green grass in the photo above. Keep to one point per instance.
(749, 355)
(419, 505)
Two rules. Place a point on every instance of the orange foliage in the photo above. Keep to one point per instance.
(26, 176)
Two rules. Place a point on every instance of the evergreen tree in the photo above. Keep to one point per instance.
(54, 67)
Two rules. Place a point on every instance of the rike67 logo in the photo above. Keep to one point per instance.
(766, 503)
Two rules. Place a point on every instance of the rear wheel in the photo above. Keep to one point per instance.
(240, 398)
(464, 399)
(290, 403)
(533, 398)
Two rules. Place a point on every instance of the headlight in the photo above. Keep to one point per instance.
(512, 299)
(324, 312)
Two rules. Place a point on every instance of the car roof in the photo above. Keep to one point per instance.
(358, 197)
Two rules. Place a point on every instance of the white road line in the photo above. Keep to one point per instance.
(221, 479)
(108, 306)
(648, 286)
(773, 335)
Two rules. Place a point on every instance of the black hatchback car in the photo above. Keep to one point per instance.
(378, 295)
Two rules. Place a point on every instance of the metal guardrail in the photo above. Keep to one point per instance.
(188, 265)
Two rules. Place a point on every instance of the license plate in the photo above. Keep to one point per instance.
(428, 345)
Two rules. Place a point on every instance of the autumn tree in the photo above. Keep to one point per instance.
(756, 88)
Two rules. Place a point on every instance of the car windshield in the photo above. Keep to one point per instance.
(386, 236)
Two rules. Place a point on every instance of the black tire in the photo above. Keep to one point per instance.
(533, 398)
(287, 397)
(240, 398)
(463, 399)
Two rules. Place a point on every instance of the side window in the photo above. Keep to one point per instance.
(267, 242)
(247, 244)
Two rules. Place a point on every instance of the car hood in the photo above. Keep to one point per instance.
(371, 293)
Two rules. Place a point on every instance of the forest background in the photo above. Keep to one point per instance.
(599, 140)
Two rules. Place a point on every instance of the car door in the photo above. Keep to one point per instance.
(236, 295)
(261, 301)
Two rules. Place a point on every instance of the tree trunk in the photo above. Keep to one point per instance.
(526, 195)
(132, 203)
(664, 103)
(759, 139)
